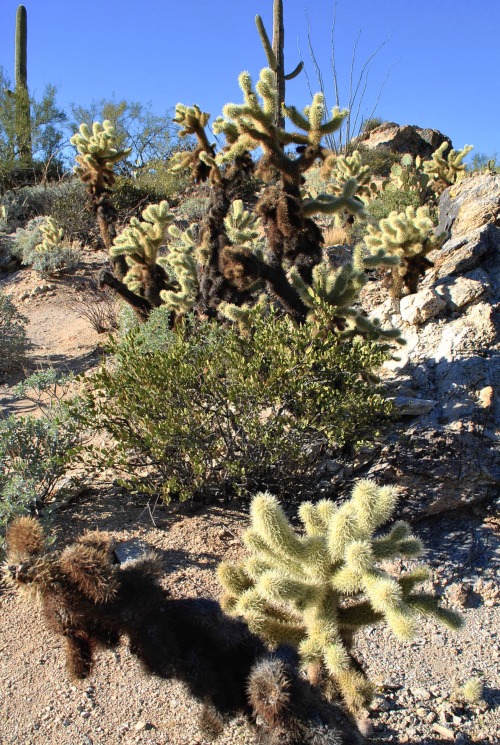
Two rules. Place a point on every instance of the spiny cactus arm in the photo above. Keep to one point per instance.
(241, 225)
(397, 542)
(275, 586)
(97, 146)
(234, 578)
(386, 596)
(373, 505)
(269, 521)
(271, 57)
(193, 121)
(428, 605)
(142, 239)
(52, 236)
(327, 204)
(257, 544)
(183, 299)
(409, 580)
(449, 168)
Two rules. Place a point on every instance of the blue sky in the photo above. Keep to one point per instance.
(443, 53)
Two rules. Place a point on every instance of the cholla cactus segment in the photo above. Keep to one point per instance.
(52, 236)
(332, 295)
(180, 261)
(327, 204)
(311, 121)
(97, 153)
(241, 225)
(342, 168)
(190, 118)
(408, 236)
(446, 170)
(314, 588)
(140, 242)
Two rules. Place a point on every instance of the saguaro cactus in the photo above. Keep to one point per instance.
(23, 114)
(276, 56)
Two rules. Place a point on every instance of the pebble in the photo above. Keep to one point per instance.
(445, 732)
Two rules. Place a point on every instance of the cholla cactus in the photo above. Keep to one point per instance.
(316, 589)
(53, 254)
(409, 236)
(342, 168)
(52, 236)
(446, 170)
(332, 295)
(409, 176)
(181, 262)
(242, 226)
(97, 154)
(140, 244)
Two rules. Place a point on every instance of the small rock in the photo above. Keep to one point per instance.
(445, 732)
(421, 306)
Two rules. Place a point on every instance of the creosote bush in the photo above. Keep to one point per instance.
(314, 589)
(202, 410)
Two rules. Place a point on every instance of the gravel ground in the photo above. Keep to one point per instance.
(418, 682)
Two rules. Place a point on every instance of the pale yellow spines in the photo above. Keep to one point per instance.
(443, 169)
(142, 239)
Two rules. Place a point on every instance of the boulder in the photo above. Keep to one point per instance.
(403, 139)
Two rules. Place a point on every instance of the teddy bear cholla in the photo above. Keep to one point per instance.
(88, 598)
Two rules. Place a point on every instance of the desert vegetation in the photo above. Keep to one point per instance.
(239, 362)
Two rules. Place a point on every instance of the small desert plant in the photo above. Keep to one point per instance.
(472, 691)
(316, 588)
(371, 123)
(35, 450)
(239, 411)
(408, 236)
(13, 338)
(97, 305)
(42, 245)
(27, 239)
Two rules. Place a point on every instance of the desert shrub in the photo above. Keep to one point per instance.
(390, 200)
(28, 202)
(35, 450)
(193, 208)
(13, 339)
(380, 160)
(97, 305)
(202, 410)
(69, 207)
(41, 245)
(157, 178)
(371, 123)
(27, 239)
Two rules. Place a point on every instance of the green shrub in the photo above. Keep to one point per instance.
(35, 450)
(201, 410)
(13, 339)
(47, 253)
(391, 200)
(380, 159)
(69, 207)
(27, 239)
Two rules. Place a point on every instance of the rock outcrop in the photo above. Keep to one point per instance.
(445, 452)
(403, 139)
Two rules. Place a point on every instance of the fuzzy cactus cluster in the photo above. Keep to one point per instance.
(314, 588)
(97, 154)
